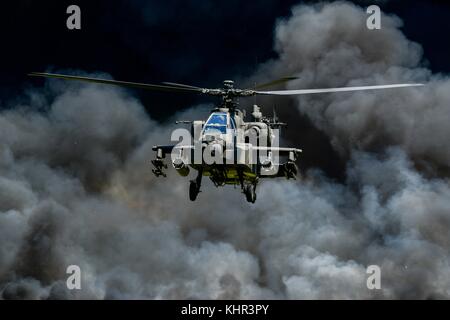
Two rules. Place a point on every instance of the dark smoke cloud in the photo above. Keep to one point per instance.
(76, 187)
(329, 46)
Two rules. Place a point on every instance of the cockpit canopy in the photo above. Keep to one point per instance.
(218, 122)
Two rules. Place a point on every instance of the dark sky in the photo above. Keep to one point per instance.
(193, 42)
(198, 42)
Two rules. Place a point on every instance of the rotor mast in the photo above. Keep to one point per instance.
(229, 95)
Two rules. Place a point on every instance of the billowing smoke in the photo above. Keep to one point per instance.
(76, 186)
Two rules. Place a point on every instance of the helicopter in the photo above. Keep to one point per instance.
(225, 147)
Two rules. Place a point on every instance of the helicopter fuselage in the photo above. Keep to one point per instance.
(231, 151)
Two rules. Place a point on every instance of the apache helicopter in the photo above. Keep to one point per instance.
(240, 152)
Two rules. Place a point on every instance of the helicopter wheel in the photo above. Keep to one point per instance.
(250, 193)
(193, 190)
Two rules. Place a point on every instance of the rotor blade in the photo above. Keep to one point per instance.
(115, 82)
(272, 83)
(344, 89)
(174, 84)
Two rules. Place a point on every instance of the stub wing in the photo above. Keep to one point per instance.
(286, 170)
(281, 151)
(164, 148)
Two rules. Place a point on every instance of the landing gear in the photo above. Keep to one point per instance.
(194, 186)
(194, 189)
(248, 188)
(250, 192)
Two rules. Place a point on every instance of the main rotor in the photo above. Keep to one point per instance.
(228, 92)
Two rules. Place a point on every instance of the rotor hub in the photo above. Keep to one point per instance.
(228, 84)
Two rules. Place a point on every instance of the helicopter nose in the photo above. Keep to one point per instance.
(215, 148)
(208, 138)
(213, 138)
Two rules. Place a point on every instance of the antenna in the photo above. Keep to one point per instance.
(275, 117)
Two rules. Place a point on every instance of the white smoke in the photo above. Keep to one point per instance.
(76, 186)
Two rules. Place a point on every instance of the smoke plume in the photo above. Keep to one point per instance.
(76, 186)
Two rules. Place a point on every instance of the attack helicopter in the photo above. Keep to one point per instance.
(227, 148)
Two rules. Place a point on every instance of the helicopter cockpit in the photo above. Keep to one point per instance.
(215, 128)
(217, 122)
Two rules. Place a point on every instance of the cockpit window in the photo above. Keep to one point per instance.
(216, 122)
